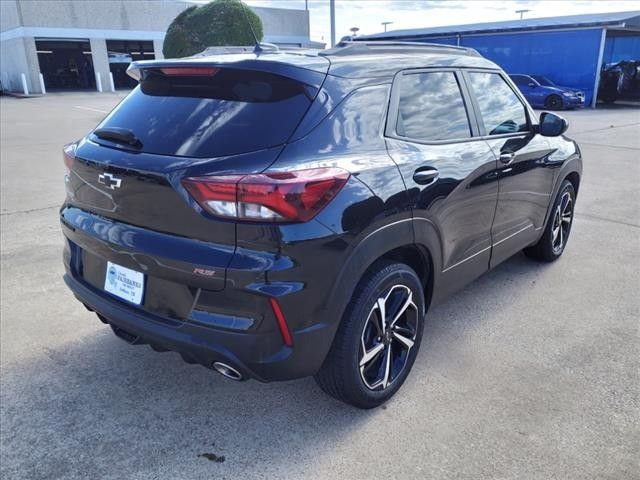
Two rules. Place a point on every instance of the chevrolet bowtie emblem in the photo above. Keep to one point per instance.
(109, 181)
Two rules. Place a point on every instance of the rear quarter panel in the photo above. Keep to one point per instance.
(318, 272)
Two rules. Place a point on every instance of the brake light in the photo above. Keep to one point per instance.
(295, 196)
(69, 155)
(190, 71)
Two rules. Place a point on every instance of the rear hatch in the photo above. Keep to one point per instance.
(224, 115)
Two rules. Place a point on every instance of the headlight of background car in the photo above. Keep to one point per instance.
(568, 94)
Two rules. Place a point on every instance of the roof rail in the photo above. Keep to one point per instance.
(359, 47)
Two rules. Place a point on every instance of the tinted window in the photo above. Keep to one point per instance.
(502, 111)
(228, 112)
(431, 107)
(520, 79)
(543, 81)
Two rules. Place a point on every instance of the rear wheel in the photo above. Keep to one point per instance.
(553, 102)
(556, 233)
(378, 338)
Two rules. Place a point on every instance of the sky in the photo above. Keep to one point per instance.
(368, 14)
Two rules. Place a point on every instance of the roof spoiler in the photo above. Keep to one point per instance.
(134, 68)
(239, 60)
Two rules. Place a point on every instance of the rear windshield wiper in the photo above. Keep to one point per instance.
(118, 135)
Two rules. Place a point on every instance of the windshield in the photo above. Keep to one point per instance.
(544, 81)
(221, 112)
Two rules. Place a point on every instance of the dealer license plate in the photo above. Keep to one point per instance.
(124, 283)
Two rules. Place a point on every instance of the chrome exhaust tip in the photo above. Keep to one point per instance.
(227, 371)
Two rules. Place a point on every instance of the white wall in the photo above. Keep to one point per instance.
(97, 20)
(154, 15)
(9, 15)
(15, 56)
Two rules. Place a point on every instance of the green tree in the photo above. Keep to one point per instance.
(221, 22)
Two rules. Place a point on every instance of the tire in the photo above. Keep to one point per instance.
(553, 102)
(556, 233)
(365, 367)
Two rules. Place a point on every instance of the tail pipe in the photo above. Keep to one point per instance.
(227, 371)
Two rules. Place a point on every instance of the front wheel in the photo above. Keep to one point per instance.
(378, 339)
(556, 233)
(553, 102)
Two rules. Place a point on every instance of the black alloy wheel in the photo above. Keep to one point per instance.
(553, 102)
(388, 336)
(556, 233)
(378, 338)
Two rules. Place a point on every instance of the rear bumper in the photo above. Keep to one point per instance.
(204, 345)
(223, 318)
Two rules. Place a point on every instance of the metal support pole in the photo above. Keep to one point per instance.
(332, 17)
(603, 38)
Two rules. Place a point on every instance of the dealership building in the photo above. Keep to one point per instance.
(87, 44)
(568, 50)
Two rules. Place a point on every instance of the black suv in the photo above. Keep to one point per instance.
(275, 215)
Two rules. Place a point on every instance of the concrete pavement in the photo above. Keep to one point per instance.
(531, 372)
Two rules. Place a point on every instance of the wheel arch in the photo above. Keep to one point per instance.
(571, 170)
(393, 241)
(419, 258)
(574, 178)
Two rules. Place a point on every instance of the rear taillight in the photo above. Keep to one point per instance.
(295, 196)
(69, 155)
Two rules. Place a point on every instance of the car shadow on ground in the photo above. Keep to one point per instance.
(99, 404)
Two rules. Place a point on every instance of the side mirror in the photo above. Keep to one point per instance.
(552, 125)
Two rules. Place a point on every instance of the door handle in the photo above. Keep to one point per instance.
(425, 176)
(507, 157)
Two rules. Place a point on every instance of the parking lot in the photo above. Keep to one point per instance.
(531, 372)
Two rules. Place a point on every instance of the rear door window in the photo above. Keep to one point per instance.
(222, 112)
(501, 109)
(431, 108)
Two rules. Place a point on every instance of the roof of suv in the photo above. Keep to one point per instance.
(380, 59)
(357, 59)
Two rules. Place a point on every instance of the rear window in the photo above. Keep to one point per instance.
(431, 108)
(224, 112)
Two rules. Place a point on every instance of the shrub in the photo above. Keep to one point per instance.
(221, 22)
